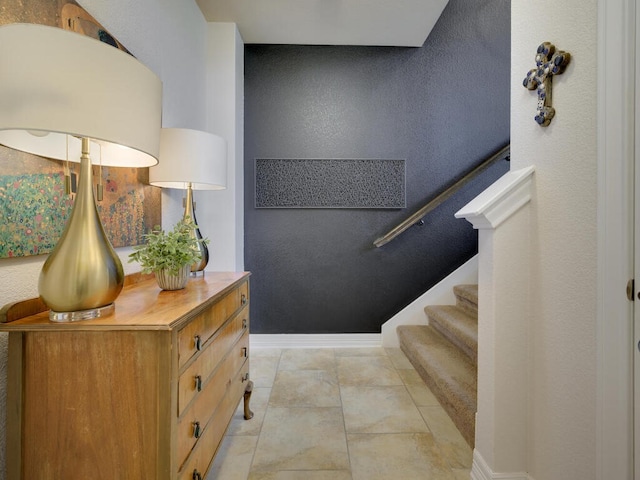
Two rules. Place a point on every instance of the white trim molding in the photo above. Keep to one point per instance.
(337, 340)
(501, 200)
(481, 471)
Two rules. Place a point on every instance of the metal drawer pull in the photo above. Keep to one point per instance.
(196, 340)
(244, 323)
(245, 377)
(244, 352)
(243, 299)
(196, 475)
(196, 430)
(198, 380)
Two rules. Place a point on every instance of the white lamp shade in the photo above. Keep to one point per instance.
(45, 144)
(54, 82)
(190, 156)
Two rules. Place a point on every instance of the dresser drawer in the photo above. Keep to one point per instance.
(202, 455)
(195, 422)
(192, 337)
(196, 376)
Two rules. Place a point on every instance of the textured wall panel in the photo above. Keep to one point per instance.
(330, 183)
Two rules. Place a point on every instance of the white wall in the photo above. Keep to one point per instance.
(224, 209)
(171, 38)
(562, 343)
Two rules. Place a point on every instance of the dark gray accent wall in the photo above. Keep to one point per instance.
(442, 107)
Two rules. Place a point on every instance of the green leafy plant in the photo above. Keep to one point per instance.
(170, 251)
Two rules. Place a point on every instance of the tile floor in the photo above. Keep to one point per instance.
(340, 414)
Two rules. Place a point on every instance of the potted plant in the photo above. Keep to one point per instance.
(169, 255)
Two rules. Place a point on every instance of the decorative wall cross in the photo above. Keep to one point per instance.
(549, 62)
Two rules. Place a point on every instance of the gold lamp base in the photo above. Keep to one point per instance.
(83, 275)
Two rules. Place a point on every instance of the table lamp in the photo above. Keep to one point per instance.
(191, 160)
(63, 94)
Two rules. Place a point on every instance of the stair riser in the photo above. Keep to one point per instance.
(454, 323)
(467, 298)
(467, 305)
(469, 351)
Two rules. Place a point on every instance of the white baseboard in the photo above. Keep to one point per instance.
(439, 294)
(337, 340)
(481, 471)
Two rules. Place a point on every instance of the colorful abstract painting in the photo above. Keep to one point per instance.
(34, 207)
(34, 210)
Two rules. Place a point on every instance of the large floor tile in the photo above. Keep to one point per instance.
(410, 376)
(367, 371)
(263, 371)
(360, 352)
(398, 358)
(305, 388)
(301, 439)
(422, 396)
(302, 475)
(452, 445)
(262, 352)
(461, 474)
(406, 456)
(380, 409)
(308, 359)
(233, 460)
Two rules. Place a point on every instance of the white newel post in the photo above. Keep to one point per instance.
(501, 215)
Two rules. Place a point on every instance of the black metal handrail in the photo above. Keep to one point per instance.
(416, 218)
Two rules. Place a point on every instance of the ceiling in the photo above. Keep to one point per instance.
(404, 23)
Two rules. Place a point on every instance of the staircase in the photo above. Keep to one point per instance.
(445, 354)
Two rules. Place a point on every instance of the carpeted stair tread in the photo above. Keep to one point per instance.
(457, 325)
(448, 373)
(467, 298)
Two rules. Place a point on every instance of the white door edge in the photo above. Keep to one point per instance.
(616, 81)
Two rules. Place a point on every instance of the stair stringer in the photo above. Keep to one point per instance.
(440, 294)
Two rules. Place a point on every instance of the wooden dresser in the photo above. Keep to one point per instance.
(145, 393)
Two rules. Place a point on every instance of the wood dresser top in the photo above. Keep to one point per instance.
(145, 306)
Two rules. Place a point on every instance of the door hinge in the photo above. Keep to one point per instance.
(631, 289)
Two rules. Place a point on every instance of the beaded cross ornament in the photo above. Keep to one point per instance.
(549, 62)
